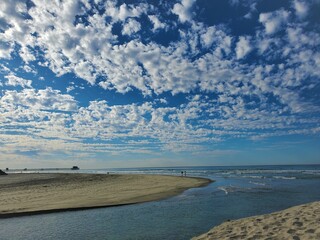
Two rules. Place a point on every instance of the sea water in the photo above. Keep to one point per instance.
(237, 192)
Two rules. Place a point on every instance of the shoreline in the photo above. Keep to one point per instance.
(298, 222)
(42, 193)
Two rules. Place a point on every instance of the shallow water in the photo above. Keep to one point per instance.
(237, 192)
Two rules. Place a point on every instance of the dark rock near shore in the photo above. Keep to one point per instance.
(2, 172)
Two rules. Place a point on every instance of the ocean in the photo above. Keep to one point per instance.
(237, 192)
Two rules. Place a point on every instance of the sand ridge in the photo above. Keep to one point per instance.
(300, 222)
(26, 194)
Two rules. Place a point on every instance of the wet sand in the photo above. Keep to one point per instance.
(27, 194)
(300, 222)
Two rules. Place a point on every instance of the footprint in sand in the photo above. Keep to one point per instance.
(299, 224)
(310, 231)
(290, 231)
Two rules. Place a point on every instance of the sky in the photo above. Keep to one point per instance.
(156, 83)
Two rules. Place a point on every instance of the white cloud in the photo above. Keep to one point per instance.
(44, 99)
(163, 100)
(4, 69)
(301, 8)
(208, 37)
(274, 21)
(247, 96)
(26, 55)
(253, 9)
(29, 69)
(124, 11)
(17, 81)
(70, 88)
(14, 27)
(183, 10)
(157, 24)
(5, 49)
(243, 47)
(34, 114)
(90, 50)
(130, 27)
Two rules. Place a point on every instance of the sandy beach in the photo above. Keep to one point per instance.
(26, 194)
(300, 222)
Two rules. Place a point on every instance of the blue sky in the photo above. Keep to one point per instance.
(159, 83)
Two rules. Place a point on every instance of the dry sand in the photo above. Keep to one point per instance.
(300, 222)
(25, 194)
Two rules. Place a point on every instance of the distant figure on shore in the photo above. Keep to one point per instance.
(183, 173)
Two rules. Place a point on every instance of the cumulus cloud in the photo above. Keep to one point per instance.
(243, 47)
(208, 37)
(124, 11)
(5, 49)
(26, 55)
(301, 8)
(228, 98)
(44, 99)
(157, 24)
(130, 27)
(273, 21)
(184, 10)
(17, 81)
(13, 25)
(92, 50)
(70, 88)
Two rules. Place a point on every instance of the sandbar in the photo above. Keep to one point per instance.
(38, 193)
(299, 222)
